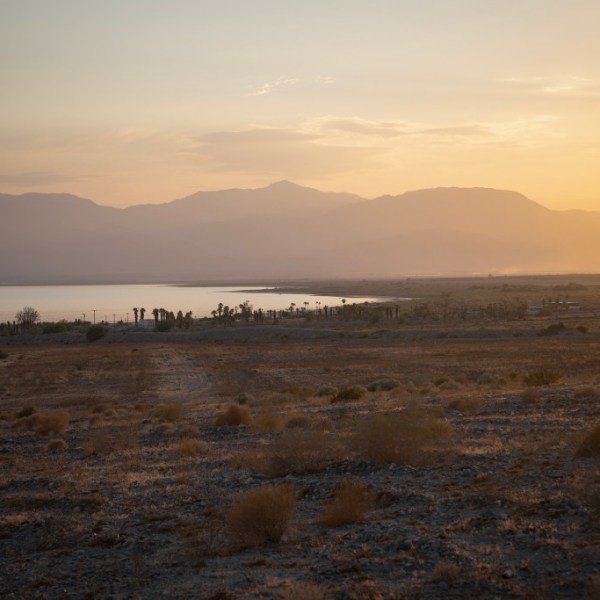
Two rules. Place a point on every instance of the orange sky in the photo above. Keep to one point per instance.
(132, 102)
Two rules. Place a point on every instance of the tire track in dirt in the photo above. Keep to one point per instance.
(178, 378)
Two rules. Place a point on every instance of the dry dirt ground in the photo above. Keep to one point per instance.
(115, 481)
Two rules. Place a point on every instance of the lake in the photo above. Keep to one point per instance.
(114, 303)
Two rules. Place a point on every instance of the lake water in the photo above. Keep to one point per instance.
(116, 302)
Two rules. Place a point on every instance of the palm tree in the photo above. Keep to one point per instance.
(135, 315)
(155, 313)
(142, 313)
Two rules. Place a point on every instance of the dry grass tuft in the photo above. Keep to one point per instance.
(51, 423)
(590, 445)
(245, 398)
(298, 451)
(190, 431)
(349, 394)
(26, 411)
(233, 416)
(445, 571)
(104, 441)
(325, 390)
(351, 500)
(465, 405)
(542, 376)
(56, 444)
(189, 447)
(383, 385)
(268, 422)
(298, 422)
(409, 437)
(532, 395)
(261, 516)
(169, 412)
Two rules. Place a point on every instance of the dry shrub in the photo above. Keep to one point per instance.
(409, 437)
(26, 411)
(465, 405)
(233, 416)
(298, 422)
(56, 444)
(279, 398)
(104, 441)
(351, 500)
(165, 429)
(261, 516)
(590, 445)
(325, 390)
(445, 571)
(268, 422)
(51, 423)
(245, 398)
(190, 431)
(349, 394)
(302, 591)
(532, 395)
(299, 391)
(298, 451)
(169, 412)
(383, 385)
(588, 391)
(189, 447)
(542, 376)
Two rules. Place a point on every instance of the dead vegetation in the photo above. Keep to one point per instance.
(443, 477)
(350, 502)
(261, 516)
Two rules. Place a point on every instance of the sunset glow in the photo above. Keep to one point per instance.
(143, 102)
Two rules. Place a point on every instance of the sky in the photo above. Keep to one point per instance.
(144, 101)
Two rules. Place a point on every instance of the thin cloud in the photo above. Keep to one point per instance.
(461, 131)
(270, 87)
(281, 153)
(369, 128)
(325, 80)
(570, 87)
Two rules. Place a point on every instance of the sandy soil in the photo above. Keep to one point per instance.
(116, 482)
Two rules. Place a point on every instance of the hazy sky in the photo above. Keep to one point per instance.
(135, 101)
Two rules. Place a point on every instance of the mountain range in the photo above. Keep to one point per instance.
(289, 231)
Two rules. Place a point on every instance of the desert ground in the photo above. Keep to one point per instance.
(419, 457)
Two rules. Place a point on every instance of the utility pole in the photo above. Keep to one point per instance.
(94, 311)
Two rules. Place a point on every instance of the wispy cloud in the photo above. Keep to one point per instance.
(470, 130)
(282, 153)
(368, 128)
(568, 87)
(524, 131)
(325, 79)
(268, 88)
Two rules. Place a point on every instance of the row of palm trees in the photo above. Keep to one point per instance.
(163, 316)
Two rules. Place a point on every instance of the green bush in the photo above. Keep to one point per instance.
(95, 332)
(54, 328)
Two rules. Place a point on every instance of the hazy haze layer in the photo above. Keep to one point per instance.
(288, 231)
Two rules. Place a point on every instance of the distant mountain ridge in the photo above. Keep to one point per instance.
(285, 230)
